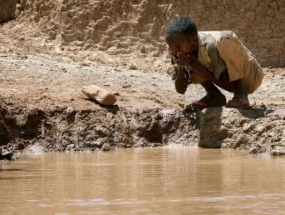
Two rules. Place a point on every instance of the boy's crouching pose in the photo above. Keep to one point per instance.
(212, 58)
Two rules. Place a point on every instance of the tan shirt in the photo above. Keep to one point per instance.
(208, 48)
(220, 50)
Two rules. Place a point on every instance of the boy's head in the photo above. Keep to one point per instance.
(181, 25)
(182, 36)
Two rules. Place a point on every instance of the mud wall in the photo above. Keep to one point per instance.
(137, 26)
(7, 10)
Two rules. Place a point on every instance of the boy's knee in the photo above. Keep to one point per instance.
(180, 87)
(180, 90)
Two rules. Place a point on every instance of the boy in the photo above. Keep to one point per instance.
(212, 58)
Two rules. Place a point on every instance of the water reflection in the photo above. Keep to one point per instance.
(10, 170)
(169, 180)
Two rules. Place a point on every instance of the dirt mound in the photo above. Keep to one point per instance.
(114, 26)
(130, 32)
(126, 31)
(120, 32)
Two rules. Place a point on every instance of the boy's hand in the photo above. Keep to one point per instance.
(185, 60)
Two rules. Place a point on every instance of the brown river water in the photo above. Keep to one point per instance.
(167, 180)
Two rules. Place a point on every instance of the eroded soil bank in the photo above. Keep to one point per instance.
(60, 129)
(43, 108)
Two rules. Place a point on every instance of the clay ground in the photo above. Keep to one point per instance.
(45, 81)
(34, 72)
(33, 78)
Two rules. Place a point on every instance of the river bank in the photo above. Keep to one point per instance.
(43, 108)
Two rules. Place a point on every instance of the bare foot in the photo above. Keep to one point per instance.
(207, 101)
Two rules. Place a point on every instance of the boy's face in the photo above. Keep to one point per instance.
(182, 43)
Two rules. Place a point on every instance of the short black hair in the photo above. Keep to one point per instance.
(181, 25)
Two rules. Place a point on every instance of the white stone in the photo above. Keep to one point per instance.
(99, 95)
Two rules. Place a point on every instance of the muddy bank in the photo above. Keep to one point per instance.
(54, 48)
(256, 131)
(64, 129)
(43, 108)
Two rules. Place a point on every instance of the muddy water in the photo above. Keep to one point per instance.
(170, 180)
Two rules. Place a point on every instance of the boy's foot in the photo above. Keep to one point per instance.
(198, 105)
(207, 101)
(238, 103)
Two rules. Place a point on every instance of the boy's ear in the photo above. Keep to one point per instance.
(194, 39)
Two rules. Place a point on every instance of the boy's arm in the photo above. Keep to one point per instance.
(181, 80)
(199, 69)
(217, 64)
(179, 76)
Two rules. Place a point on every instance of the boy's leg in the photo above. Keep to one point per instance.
(240, 99)
(214, 98)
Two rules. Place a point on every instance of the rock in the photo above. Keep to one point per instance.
(20, 146)
(6, 155)
(212, 134)
(70, 146)
(260, 129)
(133, 67)
(277, 150)
(69, 110)
(99, 95)
(126, 86)
(106, 147)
